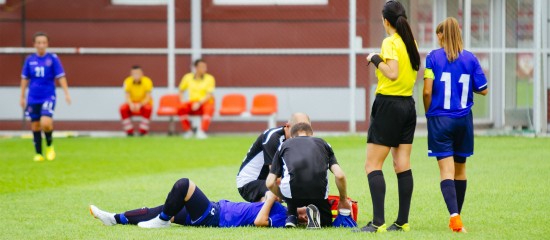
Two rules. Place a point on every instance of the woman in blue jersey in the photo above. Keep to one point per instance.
(39, 73)
(451, 77)
(187, 205)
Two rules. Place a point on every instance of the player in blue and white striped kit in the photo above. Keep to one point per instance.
(39, 73)
(452, 76)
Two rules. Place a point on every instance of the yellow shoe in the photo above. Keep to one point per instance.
(50, 153)
(38, 158)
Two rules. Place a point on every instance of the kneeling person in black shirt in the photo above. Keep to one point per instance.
(301, 165)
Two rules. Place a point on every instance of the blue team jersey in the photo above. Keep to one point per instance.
(42, 71)
(454, 83)
(240, 214)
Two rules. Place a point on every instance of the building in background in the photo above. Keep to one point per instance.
(295, 49)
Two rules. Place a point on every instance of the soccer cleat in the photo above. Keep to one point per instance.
(395, 227)
(107, 218)
(455, 223)
(291, 221)
(154, 223)
(188, 134)
(50, 153)
(313, 217)
(201, 135)
(38, 158)
(371, 228)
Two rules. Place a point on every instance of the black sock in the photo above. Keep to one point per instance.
(49, 138)
(460, 186)
(405, 186)
(37, 139)
(175, 201)
(449, 194)
(377, 186)
(138, 215)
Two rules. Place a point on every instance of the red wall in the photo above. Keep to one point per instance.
(98, 23)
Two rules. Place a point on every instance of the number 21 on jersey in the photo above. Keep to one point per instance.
(465, 80)
(39, 71)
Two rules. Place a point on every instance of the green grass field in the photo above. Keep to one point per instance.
(508, 191)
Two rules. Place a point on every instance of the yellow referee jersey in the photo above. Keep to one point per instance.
(198, 88)
(138, 91)
(394, 48)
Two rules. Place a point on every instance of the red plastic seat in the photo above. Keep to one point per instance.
(168, 105)
(233, 104)
(264, 104)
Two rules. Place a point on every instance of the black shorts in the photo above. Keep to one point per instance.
(253, 191)
(392, 121)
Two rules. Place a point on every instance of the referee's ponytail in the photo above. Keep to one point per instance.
(395, 13)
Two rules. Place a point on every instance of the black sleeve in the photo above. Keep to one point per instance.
(277, 165)
(330, 155)
(270, 147)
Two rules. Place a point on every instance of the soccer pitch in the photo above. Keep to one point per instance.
(507, 198)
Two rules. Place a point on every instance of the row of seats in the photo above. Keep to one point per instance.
(233, 104)
(233, 108)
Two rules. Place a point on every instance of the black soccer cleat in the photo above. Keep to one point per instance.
(313, 217)
(371, 228)
(291, 221)
(396, 227)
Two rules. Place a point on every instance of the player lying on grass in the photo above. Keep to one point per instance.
(255, 166)
(187, 205)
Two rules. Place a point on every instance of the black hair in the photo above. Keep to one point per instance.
(394, 12)
(301, 127)
(198, 61)
(39, 34)
(136, 67)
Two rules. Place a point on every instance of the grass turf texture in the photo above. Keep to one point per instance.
(507, 194)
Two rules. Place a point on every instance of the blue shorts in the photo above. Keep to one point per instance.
(36, 110)
(450, 136)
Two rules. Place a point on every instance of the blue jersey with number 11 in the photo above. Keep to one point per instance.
(454, 83)
(42, 71)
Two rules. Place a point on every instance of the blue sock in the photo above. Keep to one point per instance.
(164, 217)
(449, 194)
(121, 219)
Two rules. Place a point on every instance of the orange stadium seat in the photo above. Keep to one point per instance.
(233, 104)
(168, 106)
(264, 104)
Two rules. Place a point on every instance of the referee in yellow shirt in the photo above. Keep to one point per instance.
(200, 86)
(138, 101)
(393, 117)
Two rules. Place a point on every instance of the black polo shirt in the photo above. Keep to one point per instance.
(303, 163)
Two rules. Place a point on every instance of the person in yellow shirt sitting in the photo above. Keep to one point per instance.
(200, 86)
(138, 101)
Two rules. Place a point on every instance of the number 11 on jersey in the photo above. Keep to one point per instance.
(465, 80)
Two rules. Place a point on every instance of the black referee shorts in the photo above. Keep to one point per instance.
(253, 191)
(392, 120)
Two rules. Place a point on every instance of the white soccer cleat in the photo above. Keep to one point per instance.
(107, 218)
(188, 134)
(201, 134)
(155, 223)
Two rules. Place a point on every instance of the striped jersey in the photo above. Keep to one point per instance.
(255, 165)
